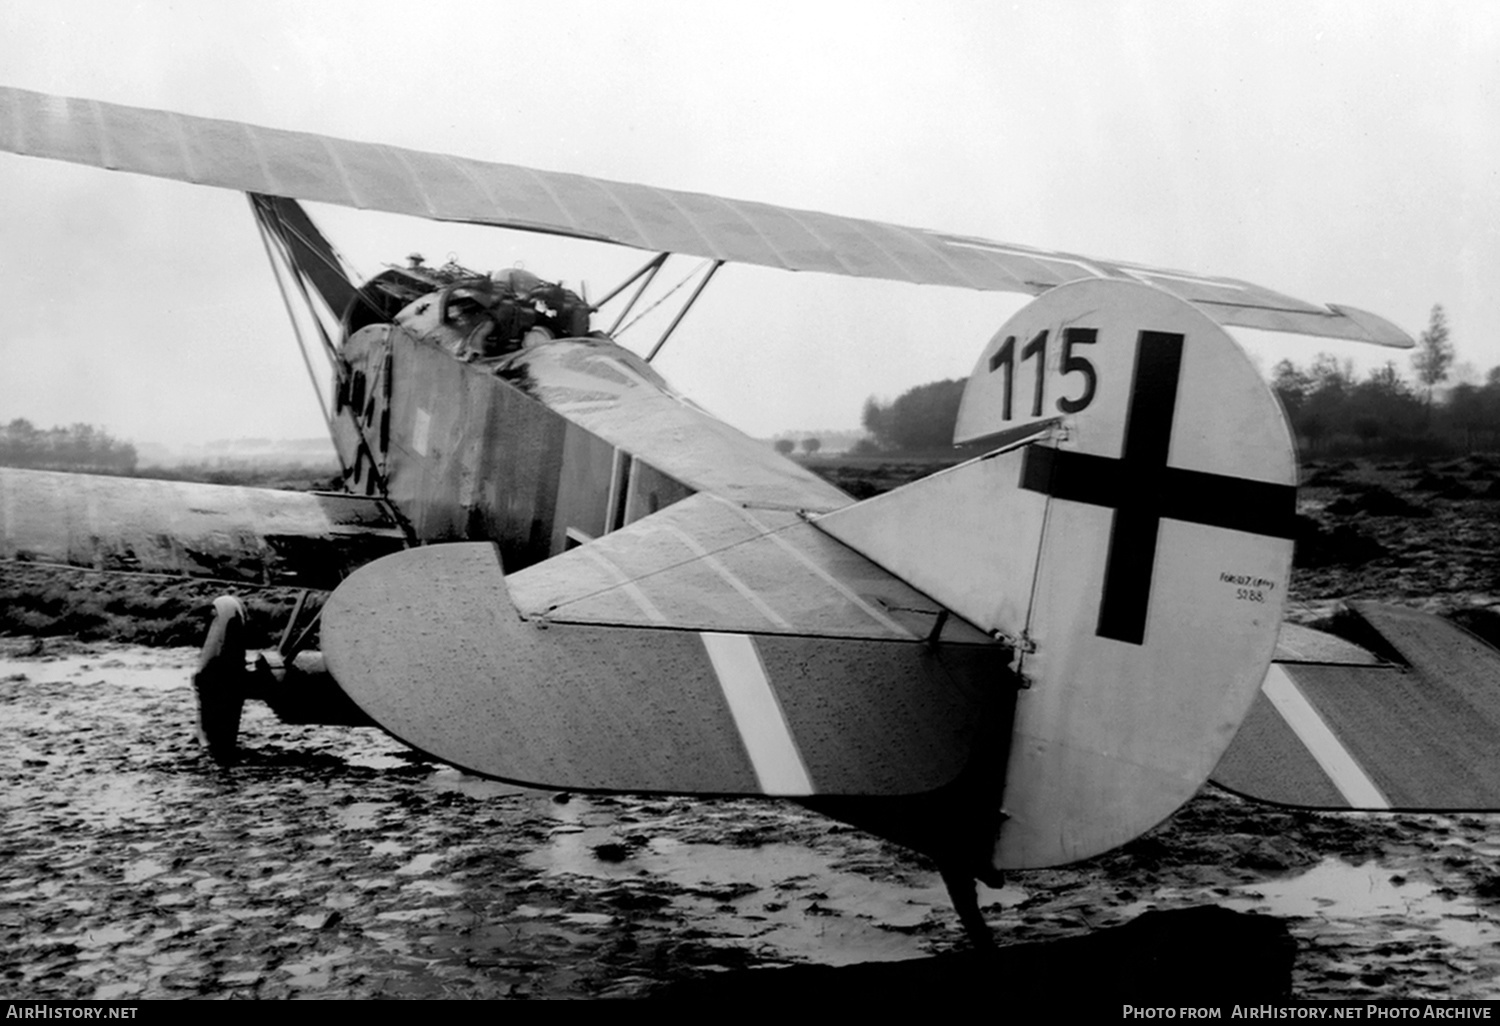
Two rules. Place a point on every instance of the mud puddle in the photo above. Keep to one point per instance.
(803, 903)
(337, 863)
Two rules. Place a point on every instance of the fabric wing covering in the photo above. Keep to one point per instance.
(255, 536)
(299, 165)
(1411, 725)
(711, 648)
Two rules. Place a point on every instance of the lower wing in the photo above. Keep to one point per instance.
(241, 535)
(1411, 724)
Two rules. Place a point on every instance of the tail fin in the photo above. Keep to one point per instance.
(1138, 552)
(967, 536)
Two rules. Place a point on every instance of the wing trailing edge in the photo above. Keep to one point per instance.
(430, 644)
(1336, 727)
(254, 536)
(303, 166)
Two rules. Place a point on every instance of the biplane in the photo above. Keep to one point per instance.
(550, 567)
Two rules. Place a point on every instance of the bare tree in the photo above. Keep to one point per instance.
(1434, 353)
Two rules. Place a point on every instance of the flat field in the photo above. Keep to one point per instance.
(336, 863)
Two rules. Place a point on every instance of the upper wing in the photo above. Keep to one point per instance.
(1335, 727)
(446, 188)
(250, 535)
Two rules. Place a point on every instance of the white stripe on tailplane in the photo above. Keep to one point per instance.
(1343, 770)
(757, 714)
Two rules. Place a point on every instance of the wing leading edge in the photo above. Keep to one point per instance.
(300, 165)
(250, 535)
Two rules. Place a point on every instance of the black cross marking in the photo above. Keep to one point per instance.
(1142, 490)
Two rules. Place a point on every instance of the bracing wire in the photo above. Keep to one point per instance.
(666, 296)
(286, 301)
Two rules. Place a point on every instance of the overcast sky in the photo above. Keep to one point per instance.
(1343, 152)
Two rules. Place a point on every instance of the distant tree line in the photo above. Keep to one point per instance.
(1329, 408)
(1331, 411)
(920, 418)
(80, 447)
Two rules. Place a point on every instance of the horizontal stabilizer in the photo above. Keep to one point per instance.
(1418, 735)
(429, 643)
(711, 565)
(133, 525)
(1299, 644)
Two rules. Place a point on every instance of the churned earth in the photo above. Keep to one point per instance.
(336, 863)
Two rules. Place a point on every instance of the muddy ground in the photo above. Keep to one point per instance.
(336, 863)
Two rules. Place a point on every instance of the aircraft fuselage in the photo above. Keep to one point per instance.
(467, 447)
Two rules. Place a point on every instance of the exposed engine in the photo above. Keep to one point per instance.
(472, 315)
